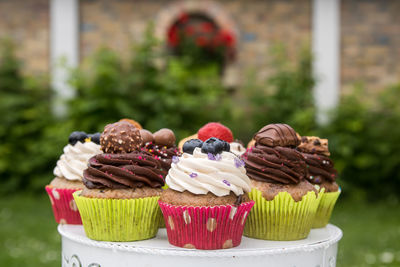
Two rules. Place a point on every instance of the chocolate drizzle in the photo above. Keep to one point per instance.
(127, 170)
(275, 164)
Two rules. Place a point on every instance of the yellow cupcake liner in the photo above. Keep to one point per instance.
(325, 208)
(162, 222)
(281, 218)
(119, 219)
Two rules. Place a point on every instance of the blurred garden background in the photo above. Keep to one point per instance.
(178, 83)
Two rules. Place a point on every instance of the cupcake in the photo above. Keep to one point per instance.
(285, 202)
(206, 204)
(122, 187)
(322, 174)
(68, 176)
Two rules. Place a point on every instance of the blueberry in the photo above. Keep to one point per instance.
(77, 136)
(95, 138)
(215, 146)
(227, 146)
(190, 145)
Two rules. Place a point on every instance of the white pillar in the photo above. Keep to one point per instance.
(326, 51)
(64, 48)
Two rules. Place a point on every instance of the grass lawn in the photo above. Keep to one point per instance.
(28, 235)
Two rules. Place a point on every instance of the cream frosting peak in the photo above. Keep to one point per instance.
(74, 160)
(201, 173)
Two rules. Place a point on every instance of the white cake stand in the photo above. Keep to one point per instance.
(318, 250)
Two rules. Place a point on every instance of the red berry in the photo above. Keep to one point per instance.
(215, 129)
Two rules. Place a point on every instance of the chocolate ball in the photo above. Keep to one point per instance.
(120, 137)
(164, 137)
(147, 136)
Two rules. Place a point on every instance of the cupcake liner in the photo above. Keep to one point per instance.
(281, 218)
(325, 208)
(214, 227)
(162, 222)
(63, 205)
(119, 219)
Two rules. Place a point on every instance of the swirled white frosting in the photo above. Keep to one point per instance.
(237, 148)
(199, 174)
(74, 160)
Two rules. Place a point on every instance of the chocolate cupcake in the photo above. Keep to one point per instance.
(285, 201)
(122, 187)
(322, 174)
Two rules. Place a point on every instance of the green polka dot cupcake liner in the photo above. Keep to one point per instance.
(119, 220)
(281, 219)
(216, 227)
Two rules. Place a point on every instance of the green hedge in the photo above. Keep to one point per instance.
(159, 90)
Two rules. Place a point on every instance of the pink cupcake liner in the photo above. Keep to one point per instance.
(63, 204)
(215, 227)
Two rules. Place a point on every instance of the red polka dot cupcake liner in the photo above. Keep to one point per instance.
(217, 227)
(63, 204)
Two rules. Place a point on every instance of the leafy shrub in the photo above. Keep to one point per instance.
(25, 115)
(365, 142)
(177, 95)
(286, 96)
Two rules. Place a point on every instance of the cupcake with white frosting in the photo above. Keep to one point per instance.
(69, 173)
(206, 204)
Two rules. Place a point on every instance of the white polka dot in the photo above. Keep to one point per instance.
(232, 213)
(211, 224)
(171, 223)
(244, 217)
(227, 244)
(189, 246)
(55, 194)
(186, 217)
(73, 206)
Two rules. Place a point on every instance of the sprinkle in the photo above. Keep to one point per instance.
(239, 163)
(160, 176)
(193, 175)
(226, 182)
(218, 157)
(175, 159)
(88, 139)
(211, 156)
(311, 177)
(140, 157)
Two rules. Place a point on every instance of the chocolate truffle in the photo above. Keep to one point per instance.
(147, 136)
(133, 122)
(120, 137)
(277, 135)
(164, 137)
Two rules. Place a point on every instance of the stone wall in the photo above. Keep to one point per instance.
(27, 23)
(370, 43)
(260, 24)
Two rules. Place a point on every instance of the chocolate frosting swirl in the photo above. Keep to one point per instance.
(277, 135)
(126, 170)
(320, 168)
(163, 153)
(275, 164)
